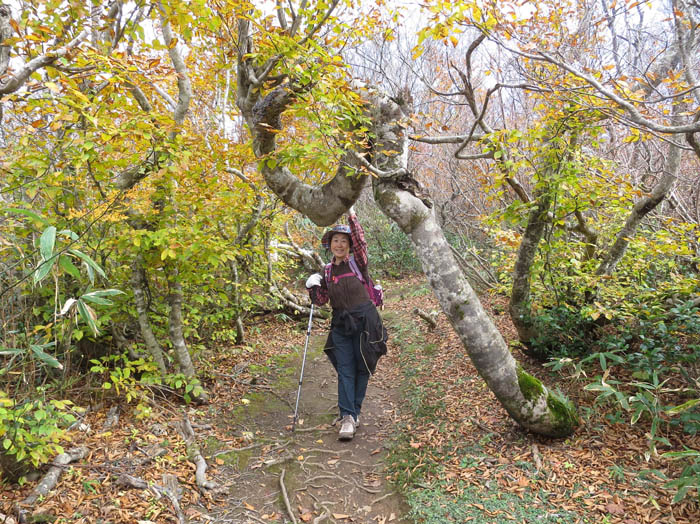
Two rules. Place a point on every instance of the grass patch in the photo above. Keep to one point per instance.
(438, 504)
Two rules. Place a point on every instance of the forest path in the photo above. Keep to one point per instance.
(325, 480)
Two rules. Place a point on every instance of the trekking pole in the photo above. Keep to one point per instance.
(303, 361)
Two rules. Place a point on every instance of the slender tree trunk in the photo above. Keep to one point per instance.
(641, 209)
(182, 354)
(240, 331)
(519, 305)
(138, 286)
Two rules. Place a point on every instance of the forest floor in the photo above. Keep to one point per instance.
(434, 446)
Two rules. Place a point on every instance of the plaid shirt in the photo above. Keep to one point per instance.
(319, 294)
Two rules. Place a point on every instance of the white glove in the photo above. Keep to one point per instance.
(313, 280)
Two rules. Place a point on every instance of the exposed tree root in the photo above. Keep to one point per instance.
(170, 489)
(50, 479)
(286, 498)
(185, 429)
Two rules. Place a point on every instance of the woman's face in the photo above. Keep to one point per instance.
(340, 245)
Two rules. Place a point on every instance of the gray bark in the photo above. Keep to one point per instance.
(177, 338)
(139, 286)
(641, 209)
(519, 305)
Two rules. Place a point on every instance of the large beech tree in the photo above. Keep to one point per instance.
(270, 86)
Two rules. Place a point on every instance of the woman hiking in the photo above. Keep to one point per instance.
(357, 337)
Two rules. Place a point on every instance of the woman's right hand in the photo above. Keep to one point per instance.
(313, 280)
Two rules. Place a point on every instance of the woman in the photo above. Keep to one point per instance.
(357, 338)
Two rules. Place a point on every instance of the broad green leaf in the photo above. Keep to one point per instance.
(43, 270)
(73, 235)
(65, 263)
(104, 293)
(30, 214)
(88, 315)
(11, 351)
(47, 242)
(97, 297)
(91, 264)
(45, 357)
(97, 300)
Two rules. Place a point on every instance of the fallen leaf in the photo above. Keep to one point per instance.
(615, 509)
(306, 517)
(248, 506)
(374, 452)
(340, 516)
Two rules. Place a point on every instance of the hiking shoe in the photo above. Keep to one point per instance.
(339, 418)
(347, 428)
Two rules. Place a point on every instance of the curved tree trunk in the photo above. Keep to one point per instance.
(641, 209)
(138, 285)
(399, 196)
(524, 397)
(519, 305)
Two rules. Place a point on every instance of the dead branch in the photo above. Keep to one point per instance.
(286, 498)
(51, 478)
(430, 318)
(185, 429)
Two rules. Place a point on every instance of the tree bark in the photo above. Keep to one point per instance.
(519, 305)
(177, 338)
(138, 286)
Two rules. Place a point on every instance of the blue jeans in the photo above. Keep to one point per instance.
(353, 374)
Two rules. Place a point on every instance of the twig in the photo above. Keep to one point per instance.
(172, 490)
(286, 498)
(307, 430)
(234, 450)
(379, 499)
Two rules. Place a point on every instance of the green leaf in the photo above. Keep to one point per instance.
(65, 263)
(43, 269)
(96, 297)
(6, 443)
(47, 242)
(45, 357)
(88, 261)
(11, 351)
(683, 407)
(88, 315)
(30, 214)
(71, 234)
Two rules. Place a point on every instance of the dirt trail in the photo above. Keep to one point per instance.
(325, 480)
